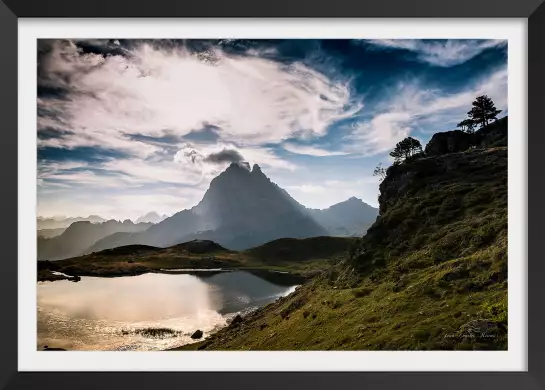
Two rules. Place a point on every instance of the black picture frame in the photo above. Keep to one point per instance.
(532, 10)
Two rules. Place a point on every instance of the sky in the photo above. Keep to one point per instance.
(126, 127)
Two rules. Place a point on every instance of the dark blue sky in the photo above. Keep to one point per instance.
(131, 126)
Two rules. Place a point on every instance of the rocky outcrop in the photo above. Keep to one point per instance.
(448, 142)
(197, 335)
(455, 141)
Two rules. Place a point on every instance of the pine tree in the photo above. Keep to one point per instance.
(467, 125)
(406, 149)
(380, 171)
(483, 111)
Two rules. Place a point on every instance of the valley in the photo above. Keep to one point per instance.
(272, 195)
(303, 257)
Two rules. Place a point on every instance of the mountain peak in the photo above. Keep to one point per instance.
(152, 217)
(257, 172)
(238, 166)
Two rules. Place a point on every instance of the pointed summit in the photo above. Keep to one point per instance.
(237, 167)
(257, 172)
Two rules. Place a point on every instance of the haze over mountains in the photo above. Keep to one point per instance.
(63, 222)
(80, 235)
(241, 209)
(50, 233)
(152, 217)
(349, 218)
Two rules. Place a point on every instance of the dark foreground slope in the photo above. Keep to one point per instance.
(431, 273)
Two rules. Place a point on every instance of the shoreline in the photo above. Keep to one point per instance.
(48, 275)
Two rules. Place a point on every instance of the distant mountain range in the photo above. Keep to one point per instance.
(81, 235)
(241, 209)
(61, 222)
(64, 222)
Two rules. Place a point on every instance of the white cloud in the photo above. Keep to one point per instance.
(311, 150)
(307, 188)
(122, 205)
(381, 133)
(254, 100)
(157, 172)
(443, 53)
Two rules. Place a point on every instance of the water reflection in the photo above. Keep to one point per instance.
(109, 313)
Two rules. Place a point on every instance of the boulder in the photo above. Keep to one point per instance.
(449, 142)
(197, 335)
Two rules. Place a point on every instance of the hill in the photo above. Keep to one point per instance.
(303, 257)
(286, 250)
(431, 273)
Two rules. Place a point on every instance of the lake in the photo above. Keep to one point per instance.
(124, 313)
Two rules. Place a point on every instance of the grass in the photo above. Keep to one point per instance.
(430, 274)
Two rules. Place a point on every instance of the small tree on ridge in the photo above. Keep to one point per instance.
(380, 171)
(406, 148)
(484, 111)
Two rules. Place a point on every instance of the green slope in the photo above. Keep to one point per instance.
(431, 273)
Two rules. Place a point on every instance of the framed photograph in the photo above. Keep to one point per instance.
(296, 195)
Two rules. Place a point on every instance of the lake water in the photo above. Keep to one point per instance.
(117, 313)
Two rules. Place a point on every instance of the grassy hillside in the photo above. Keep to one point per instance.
(286, 250)
(431, 273)
(301, 256)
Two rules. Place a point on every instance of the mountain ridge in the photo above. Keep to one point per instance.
(233, 210)
(59, 222)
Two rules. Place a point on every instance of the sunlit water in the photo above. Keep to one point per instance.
(106, 313)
